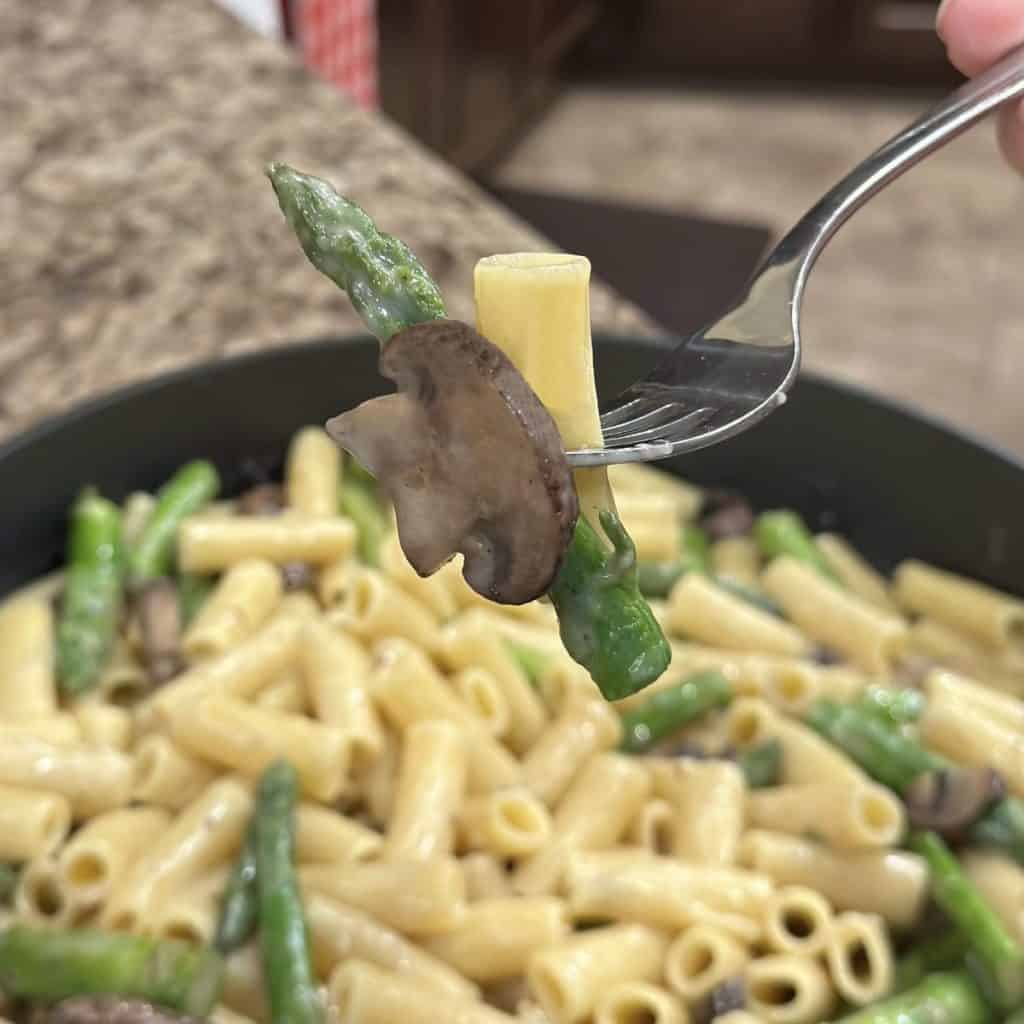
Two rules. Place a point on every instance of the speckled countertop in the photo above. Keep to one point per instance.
(137, 232)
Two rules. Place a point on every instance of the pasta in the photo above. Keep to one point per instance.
(473, 842)
(870, 638)
(991, 617)
(797, 920)
(890, 883)
(859, 958)
(430, 790)
(313, 473)
(704, 612)
(243, 600)
(844, 817)
(701, 957)
(27, 683)
(788, 989)
(33, 823)
(638, 1000)
(497, 937)
(569, 978)
(209, 545)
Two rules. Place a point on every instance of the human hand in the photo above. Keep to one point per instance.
(977, 33)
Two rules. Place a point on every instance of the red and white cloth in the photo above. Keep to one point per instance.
(338, 40)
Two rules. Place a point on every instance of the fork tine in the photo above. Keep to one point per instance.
(672, 431)
(626, 412)
(663, 414)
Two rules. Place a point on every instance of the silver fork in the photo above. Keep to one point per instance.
(734, 372)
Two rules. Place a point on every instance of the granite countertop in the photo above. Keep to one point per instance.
(137, 232)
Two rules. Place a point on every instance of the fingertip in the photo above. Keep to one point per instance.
(978, 32)
(1011, 135)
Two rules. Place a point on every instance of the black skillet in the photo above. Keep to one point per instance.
(896, 483)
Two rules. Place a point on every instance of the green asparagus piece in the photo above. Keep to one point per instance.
(359, 503)
(761, 765)
(892, 707)
(784, 533)
(1002, 828)
(605, 623)
(942, 998)
(668, 711)
(92, 593)
(193, 592)
(239, 908)
(183, 495)
(936, 954)
(286, 960)
(998, 955)
(45, 965)
(387, 285)
(529, 659)
(656, 579)
(8, 882)
(694, 549)
(896, 760)
(762, 601)
(886, 755)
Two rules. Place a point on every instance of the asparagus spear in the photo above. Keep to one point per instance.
(529, 659)
(943, 952)
(386, 284)
(92, 593)
(943, 998)
(286, 960)
(896, 760)
(184, 494)
(604, 621)
(999, 957)
(606, 624)
(359, 503)
(656, 579)
(761, 765)
(47, 965)
(886, 755)
(668, 711)
(239, 908)
(783, 532)
(892, 707)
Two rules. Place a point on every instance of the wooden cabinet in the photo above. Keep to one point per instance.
(465, 75)
(876, 41)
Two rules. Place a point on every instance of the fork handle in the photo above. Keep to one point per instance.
(960, 110)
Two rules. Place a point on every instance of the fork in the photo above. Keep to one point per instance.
(731, 374)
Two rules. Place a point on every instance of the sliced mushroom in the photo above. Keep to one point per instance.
(950, 800)
(297, 576)
(726, 514)
(112, 1010)
(471, 459)
(262, 500)
(726, 996)
(160, 625)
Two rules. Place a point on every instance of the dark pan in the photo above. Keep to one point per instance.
(894, 482)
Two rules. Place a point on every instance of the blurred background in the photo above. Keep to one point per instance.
(669, 141)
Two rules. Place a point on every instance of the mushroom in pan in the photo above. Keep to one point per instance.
(160, 624)
(471, 458)
(262, 500)
(950, 800)
(111, 1010)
